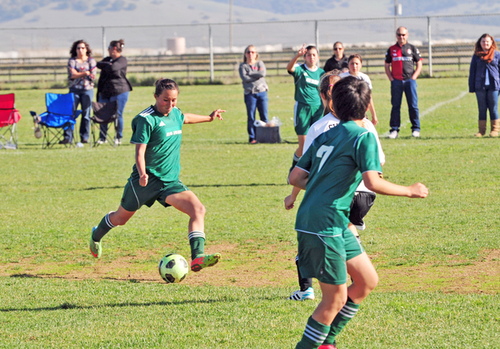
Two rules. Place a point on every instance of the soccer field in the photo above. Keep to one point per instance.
(438, 259)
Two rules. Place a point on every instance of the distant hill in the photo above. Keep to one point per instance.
(96, 21)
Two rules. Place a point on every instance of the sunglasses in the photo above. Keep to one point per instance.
(81, 48)
(251, 52)
(338, 48)
(400, 34)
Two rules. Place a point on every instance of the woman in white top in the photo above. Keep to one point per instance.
(355, 64)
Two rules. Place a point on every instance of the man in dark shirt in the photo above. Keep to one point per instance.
(338, 60)
(400, 61)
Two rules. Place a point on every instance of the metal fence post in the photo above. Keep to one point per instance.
(429, 44)
(316, 35)
(103, 42)
(211, 49)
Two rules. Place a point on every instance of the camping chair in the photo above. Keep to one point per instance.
(9, 117)
(104, 114)
(58, 118)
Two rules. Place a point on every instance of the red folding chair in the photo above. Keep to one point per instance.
(9, 117)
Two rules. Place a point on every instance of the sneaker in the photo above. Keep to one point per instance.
(204, 261)
(118, 141)
(415, 134)
(302, 295)
(100, 141)
(393, 134)
(95, 247)
(327, 346)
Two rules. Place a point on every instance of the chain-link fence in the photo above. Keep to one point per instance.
(214, 51)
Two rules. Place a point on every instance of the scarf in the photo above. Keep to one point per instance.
(487, 56)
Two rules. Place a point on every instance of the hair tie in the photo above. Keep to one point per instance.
(330, 85)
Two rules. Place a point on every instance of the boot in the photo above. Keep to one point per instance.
(495, 128)
(482, 128)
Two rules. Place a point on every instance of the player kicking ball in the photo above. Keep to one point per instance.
(157, 133)
(330, 172)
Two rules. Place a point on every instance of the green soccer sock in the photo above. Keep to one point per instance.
(197, 242)
(314, 335)
(345, 314)
(103, 228)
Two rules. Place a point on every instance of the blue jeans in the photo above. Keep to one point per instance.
(84, 98)
(122, 99)
(487, 100)
(409, 87)
(254, 101)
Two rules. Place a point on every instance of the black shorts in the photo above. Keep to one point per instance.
(360, 205)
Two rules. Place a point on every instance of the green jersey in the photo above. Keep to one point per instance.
(306, 85)
(335, 161)
(162, 134)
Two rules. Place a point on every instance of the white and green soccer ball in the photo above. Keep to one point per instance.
(173, 268)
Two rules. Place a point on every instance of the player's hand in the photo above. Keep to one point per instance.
(374, 120)
(302, 50)
(418, 190)
(289, 202)
(217, 114)
(143, 181)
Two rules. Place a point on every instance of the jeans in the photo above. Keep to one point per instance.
(254, 101)
(84, 98)
(409, 87)
(122, 99)
(487, 100)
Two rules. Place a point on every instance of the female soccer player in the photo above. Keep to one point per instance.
(330, 170)
(157, 133)
(355, 64)
(308, 108)
(361, 203)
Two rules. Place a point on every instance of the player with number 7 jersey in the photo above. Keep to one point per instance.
(335, 163)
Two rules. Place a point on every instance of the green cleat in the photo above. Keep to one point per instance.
(204, 261)
(95, 247)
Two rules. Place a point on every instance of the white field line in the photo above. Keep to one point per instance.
(430, 110)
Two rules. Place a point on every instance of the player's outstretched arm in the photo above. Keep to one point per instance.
(196, 119)
(381, 186)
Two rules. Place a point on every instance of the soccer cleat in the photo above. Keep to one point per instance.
(327, 346)
(204, 261)
(302, 295)
(95, 247)
(415, 134)
(393, 134)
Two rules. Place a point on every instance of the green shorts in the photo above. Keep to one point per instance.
(323, 258)
(304, 116)
(134, 196)
(352, 246)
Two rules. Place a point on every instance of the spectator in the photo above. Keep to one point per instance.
(81, 76)
(338, 60)
(252, 73)
(113, 86)
(399, 68)
(484, 80)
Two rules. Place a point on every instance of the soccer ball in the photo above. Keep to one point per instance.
(173, 268)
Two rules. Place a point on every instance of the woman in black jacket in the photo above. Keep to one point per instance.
(113, 86)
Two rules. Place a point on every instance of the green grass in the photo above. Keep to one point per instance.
(438, 258)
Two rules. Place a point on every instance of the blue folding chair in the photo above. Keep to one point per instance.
(58, 118)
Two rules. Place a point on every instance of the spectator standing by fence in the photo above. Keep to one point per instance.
(81, 76)
(252, 73)
(338, 60)
(113, 85)
(400, 61)
(484, 80)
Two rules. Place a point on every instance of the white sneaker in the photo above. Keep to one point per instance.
(393, 134)
(415, 134)
(302, 295)
(100, 141)
(118, 141)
